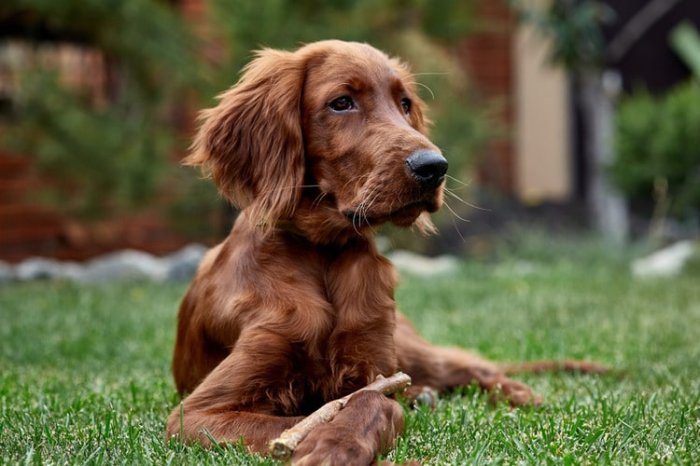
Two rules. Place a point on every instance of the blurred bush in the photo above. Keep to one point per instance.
(658, 148)
(574, 28)
(658, 141)
(101, 141)
(109, 152)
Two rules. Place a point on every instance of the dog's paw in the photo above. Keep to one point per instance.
(420, 395)
(515, 393)
(332, 451)
(366, 427)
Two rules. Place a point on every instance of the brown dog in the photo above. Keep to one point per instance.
(296, 307)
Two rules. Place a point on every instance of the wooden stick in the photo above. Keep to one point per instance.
(282, 447)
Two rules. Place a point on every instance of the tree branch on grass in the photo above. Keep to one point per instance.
(283, 447)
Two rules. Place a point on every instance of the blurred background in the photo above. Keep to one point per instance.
(564, 115)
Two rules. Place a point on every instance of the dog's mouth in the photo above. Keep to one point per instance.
(403, 216)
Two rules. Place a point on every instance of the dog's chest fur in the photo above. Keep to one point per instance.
(338, 313)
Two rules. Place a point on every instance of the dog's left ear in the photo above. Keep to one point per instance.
(251, 143)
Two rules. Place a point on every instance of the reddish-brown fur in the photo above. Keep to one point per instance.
(296, 307)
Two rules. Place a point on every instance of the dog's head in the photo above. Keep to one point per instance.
(335, 126)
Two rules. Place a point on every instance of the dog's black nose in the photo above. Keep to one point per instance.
(428, 167)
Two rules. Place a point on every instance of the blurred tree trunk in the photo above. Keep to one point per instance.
(607, 207)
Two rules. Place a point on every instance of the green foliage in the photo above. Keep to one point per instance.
(658, 140)
(98, 387)
(148, 38)
(574, 26)
(98, 159)
(685, 40)
(250, 24)
(102, 158)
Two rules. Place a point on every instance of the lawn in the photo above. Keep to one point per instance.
(85, 377)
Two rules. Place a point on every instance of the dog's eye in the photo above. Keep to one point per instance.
(342, 104)
(406, 104)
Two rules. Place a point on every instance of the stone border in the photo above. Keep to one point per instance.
(132, 265)
(127, 265)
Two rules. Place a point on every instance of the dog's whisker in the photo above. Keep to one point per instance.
(428, 73)
(362, 179)
(360, 214)
(374, 196)
(341, 86)
(459, 233)
(362, 207)
(358, 226)
(473, 206)
(464, 185)
(455, 213)
(317, 201)
(432, 94)
(370, 199)
(457, 180)
(355, 217)
(457, 188)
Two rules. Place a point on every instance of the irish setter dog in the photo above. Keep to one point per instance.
(296, 307)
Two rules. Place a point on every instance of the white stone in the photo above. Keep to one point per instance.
(127, 265)
(38, 268)
(666, 262)
(7, 272)
(182, 264)
(416, 264)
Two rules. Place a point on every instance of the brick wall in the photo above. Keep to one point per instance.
(29, 228)
(487, 56)
(24, 228)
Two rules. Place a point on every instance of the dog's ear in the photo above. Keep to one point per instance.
(251, 143)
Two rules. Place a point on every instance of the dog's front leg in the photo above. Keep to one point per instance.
(239, 398)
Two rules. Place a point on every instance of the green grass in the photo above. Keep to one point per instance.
(85, 377)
